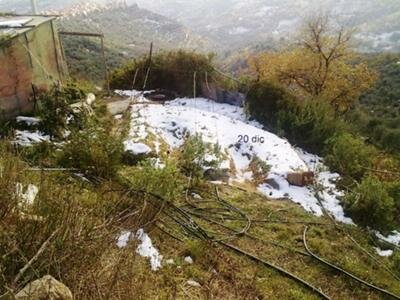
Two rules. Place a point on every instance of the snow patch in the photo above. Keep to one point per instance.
(136, 148)
(393, 238)
(28, 120)
(26, 138)
(383, 253)
(144, 249)
(29, 195)
(188, 260)
(224, 124)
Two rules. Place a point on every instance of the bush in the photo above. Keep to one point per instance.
(196, 155)
(54, 107)
(349, 155)
(172, 70)
(308, 124)
(264, 100)
(370, 204)
(164, 181)
(95, 151)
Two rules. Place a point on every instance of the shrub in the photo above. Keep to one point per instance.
(264, 100)
(306, 123)
(371, 205)
(172, 70)
(349, 155)
(196, 155)
(309, 124)
(260, 170)
(164, 181)
(95, 150)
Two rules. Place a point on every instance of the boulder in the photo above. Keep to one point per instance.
(300, 178)
(217, 174)
(45, 288)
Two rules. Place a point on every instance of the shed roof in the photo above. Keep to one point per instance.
(12, 26)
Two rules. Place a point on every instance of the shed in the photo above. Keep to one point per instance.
(30, 60)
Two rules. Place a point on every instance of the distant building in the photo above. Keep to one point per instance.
(30, 60)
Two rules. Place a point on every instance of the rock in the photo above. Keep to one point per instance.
(217, 175)
(272, 183)
(45, 288)
(300, 178)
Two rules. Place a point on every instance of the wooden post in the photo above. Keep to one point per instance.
(148, 66)
(105, 65)
(194, 84)
(101, 36)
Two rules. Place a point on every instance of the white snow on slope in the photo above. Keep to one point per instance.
(393, 238)
(383, 253)
(144, 249)
(29, 195)
(28, 120)
(136, 148)
(223, 124)
(26, 138)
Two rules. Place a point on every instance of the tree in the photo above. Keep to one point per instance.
(319, 66)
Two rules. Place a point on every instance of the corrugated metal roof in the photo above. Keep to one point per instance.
(12, 26)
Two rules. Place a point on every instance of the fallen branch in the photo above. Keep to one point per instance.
(34, 258)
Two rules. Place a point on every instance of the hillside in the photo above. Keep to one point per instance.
(144, 227)
(239, 23)
(132, 29)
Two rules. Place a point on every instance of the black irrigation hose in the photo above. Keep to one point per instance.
(279, 269)
(379, 263)
(344, 271)
(250, 236)
(199, 232)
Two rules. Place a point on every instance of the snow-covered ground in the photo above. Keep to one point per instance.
(144, 249)
(240, 140)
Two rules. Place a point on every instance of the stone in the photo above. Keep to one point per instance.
(45, 288)
(300, 178)
(217, 175)
(272, 183)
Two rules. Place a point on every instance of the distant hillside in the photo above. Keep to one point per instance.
(132, 29)
(238, 23)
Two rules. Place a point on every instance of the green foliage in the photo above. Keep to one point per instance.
(172, 70)
(396, 262)
(377, 116)
(54, 107)
(84, 58)
(349, 155)
(260, 169)
(264, 100)
(195, 155)
(163, 181)
(308, 124)
(371, 205)
(95, 150)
